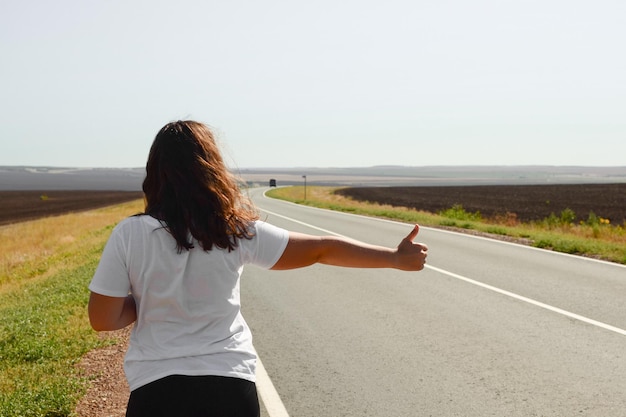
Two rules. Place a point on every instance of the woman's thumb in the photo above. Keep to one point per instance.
(413, 233)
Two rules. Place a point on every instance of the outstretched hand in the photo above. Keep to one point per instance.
(411, 256)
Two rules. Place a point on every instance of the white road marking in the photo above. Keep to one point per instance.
(494, 289)
(304, 224)
(271, 400)
(469, 236)
(531, 301)
(270, 396)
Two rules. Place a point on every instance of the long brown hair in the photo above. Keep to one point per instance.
(190, 190)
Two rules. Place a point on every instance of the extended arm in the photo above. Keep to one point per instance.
(303, 250)
(111, 313)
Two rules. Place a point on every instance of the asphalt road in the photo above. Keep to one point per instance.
(488, 329)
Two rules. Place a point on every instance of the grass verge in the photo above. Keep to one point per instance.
(43, 296)
(597, 241)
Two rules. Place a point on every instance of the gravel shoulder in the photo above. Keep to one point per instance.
(108, 392)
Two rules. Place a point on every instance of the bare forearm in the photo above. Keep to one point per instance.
(349, 253)
(303, 250)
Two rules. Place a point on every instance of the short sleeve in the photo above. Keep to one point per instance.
(268, 245)
(111, 276)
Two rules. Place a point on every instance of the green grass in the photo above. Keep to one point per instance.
(45, 329)
(44, 332)
(555, 233)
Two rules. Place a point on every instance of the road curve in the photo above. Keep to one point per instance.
(489, 329)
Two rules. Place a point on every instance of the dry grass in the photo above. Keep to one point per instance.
(598, 240)
(25, 246)
(325, 197)
(45, 267)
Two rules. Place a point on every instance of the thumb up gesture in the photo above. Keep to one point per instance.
(411, 256)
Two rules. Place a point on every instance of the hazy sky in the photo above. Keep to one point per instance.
(322, 83)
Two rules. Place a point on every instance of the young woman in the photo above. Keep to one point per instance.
(174, 271)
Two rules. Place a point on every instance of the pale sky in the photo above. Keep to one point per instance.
(322, 83)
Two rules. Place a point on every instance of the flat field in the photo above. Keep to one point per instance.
(17, 206)
(528, 202)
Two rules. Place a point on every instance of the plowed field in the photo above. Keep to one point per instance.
(528, 202)
(17, 206)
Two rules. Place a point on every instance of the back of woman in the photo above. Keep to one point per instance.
(189, 318)
(174, 271)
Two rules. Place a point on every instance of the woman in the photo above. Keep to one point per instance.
(174, 271)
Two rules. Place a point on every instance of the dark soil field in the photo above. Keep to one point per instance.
(528, 202)
(17, 206)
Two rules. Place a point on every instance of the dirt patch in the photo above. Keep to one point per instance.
(528, 202)
(18, 206)
(108, 392)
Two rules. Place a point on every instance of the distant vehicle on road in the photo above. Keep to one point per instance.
(272, 182)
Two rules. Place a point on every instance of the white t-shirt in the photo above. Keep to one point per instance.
(189, 318)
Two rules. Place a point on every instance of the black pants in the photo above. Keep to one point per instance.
(195, 396)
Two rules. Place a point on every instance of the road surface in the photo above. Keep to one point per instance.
(487, 329)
